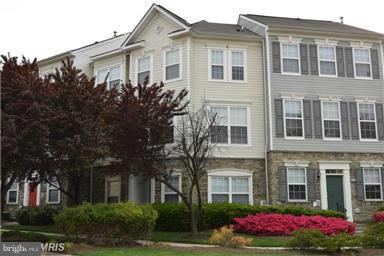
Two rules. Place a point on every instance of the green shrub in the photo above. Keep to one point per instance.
(381, 209)
(313, 239)
(38, 215)
(17, 236)
(373, 235)
(174, 217)
(107, 223)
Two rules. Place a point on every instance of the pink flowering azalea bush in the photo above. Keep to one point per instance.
(274, 224)
(379, 216)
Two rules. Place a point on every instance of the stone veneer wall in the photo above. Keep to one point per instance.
(362, 210)
(255, 165)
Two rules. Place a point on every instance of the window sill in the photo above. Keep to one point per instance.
(363, 78)
(298, 201)
(294, 138)
(13, 203)
(234, 145)
(332, 139)
(373, 200)
(172, 80)
(228, 81)
(369, 140)
(53, 202)
(290, 74)
(329, 76)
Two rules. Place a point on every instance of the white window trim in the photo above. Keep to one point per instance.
(228, 107)
(244, 65)
(111, 178)
(324, 119)
(305, 184)
(381, 186)
(165, 65)
(150, 68)
(359, 121)
(49, 188)
(282, 57)
(122, 77)
(319, 60)
(231, 173)
(163, 193)
(302, 121)
(227, 65)
(17, 193)
(357, 62)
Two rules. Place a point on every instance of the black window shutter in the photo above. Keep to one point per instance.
(304, 59)
(354, 121)
(307, 119)
(349, 62)
(380, 120)
(360, 184)
(279, 118)
(340, 61)
(344, 120)
(283, 188)
(317, 119)
(311, 181)
(276, 57)
(313, 57)
(375, 64)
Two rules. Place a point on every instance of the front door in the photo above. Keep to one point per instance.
(335, 193)
(32, 194)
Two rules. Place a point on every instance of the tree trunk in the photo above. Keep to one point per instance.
(194, 222)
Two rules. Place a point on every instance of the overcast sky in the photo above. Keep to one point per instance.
(42, 28)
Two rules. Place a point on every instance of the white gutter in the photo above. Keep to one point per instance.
(382, 59)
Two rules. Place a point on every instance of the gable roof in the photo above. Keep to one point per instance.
(211, 28)
(309, 25)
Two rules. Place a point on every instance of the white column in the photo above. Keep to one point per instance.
(26, 193)
(347, 194)
(38, 194)
(323, 189)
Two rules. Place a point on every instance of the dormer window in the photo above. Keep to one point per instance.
(327, 60)
(362, 62)
(290, 58)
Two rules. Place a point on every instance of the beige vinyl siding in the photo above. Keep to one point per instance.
(231, 93)
(49, 68)
(156, 40)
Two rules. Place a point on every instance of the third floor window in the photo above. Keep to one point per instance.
(172, 65)
(327, 60)
(290, 58)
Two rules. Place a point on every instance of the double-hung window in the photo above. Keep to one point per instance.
(111, 75)
(217, 66)
(231, 125)
(290, 58)
(168, 195)
(144, 66)
(331, 120)
(372, 183)
(53, 193)
(172, 64)
(112, 189)
(230, 189)
(237, 65)
(367, 121)
(293, 116)
(297, 185)
(13, 193)
(327, 60)
(362, 60)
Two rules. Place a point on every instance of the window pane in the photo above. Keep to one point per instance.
(326, 53)
(241, 199)
(297, 192)
(172, 72)
(292, 109)
(141, 76)
(220, 184)
(174, 180)
(171, 198)
(217, 57)
(367, 111)
(240, 184)
(239, 135)
(114, 84)
(290, 65)
(327, 68)
(221, 115)
(290, 51)
(237, 58)
(363, 70)
(101, 76)
(294, 127)
(331, 129)
(12, 196)
(219, 134)
(368, 130)
(372, 192)
(115, 73)
(361, 55)
(372, 175)
(53, 195)
(331, 110)
(217, 72)
(144, 64)
(113, 188)
(238, 116)
(296, 174)
(238, 73)
(217, 198)
(172, 57)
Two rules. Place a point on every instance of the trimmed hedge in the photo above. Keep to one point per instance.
(108, 223)
(174, 217)
(38, 215)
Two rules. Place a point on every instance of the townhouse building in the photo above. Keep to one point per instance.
(300, 106)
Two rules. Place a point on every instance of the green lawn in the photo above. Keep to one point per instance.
(165, 251)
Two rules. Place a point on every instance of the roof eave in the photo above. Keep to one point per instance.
(57, 57)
